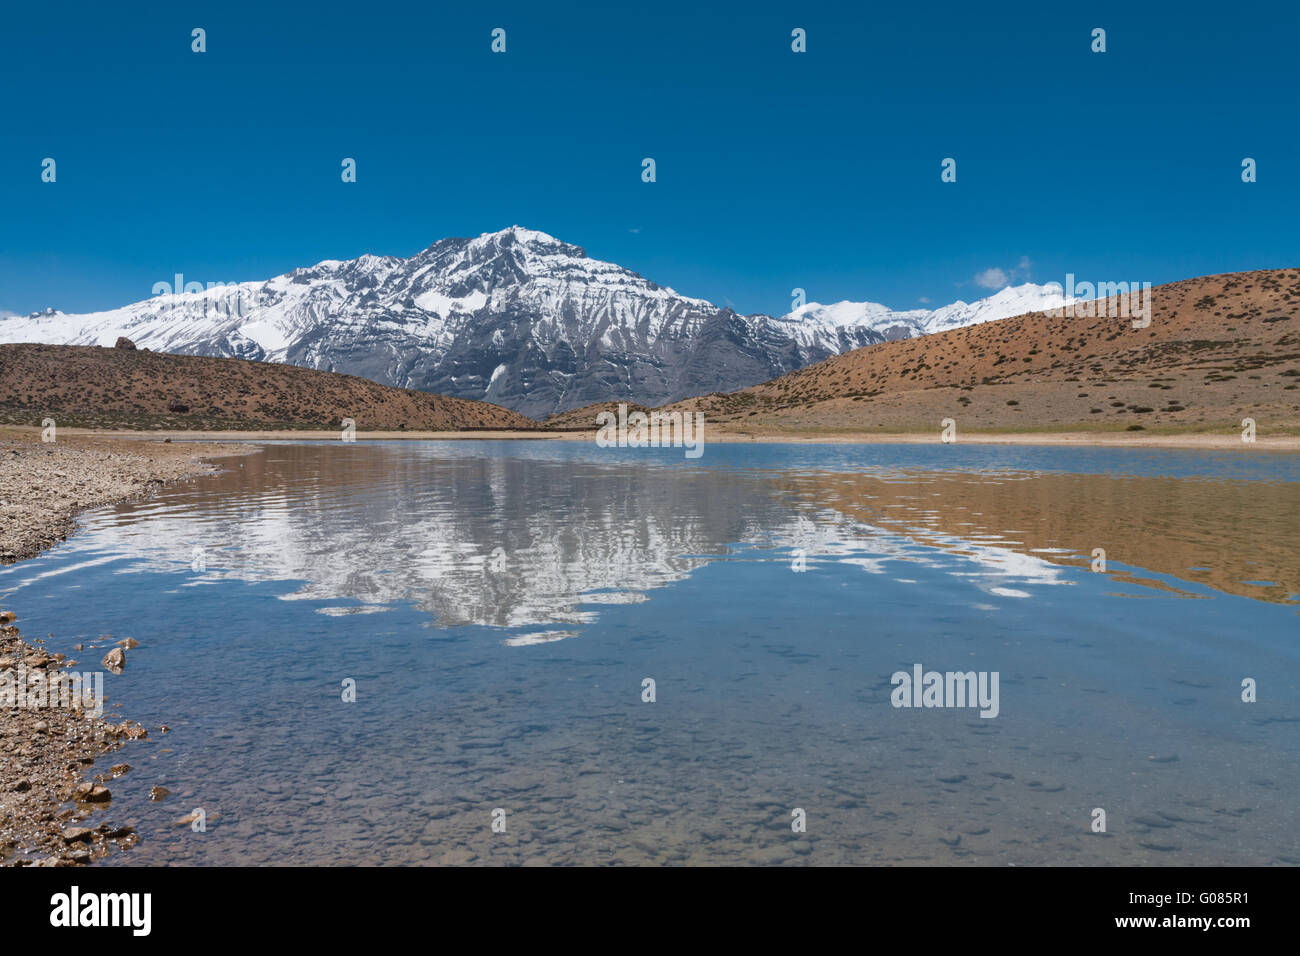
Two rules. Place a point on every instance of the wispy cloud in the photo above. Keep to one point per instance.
(999, 278)
(992, 279)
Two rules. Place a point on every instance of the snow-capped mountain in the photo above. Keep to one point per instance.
(827, 325)
(515, 317)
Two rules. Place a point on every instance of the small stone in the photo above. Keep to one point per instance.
(98, 794)
(120, 769)
(115, 660)
(22, 786)
(41, 727)
(78, 835)
(129, 643)
(158, 793)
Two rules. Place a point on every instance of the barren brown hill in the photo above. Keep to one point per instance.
(92, 387)
(1218, 349)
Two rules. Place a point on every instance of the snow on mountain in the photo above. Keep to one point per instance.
(827, 325)
(515, 317)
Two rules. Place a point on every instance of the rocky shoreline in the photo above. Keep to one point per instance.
(51, 741)
(45, 752)
(44, 485)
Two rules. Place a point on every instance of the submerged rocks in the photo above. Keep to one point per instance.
(44, 751)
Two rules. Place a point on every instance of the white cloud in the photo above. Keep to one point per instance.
(998, 278)
(992, 279)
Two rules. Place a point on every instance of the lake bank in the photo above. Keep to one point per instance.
(50, 748)
(44, 485)
(51, 742)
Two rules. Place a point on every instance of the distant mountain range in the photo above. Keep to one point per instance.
(1217, 353)
(516, 317)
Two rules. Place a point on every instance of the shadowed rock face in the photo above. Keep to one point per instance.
(531, 323)
(515, 317)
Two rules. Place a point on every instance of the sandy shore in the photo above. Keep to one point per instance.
(49, 742)
(44, 485)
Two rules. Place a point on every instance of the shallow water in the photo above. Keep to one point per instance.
(499, 605)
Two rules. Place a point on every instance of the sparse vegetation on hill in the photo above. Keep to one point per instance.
(125, 387)
(1218, 349)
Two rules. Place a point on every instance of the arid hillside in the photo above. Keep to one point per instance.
(92, 387)
(1218, 349)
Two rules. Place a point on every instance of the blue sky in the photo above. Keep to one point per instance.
(818, 170)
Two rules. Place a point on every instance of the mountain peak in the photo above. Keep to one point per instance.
(516, 316)
(522, 235)
(525, 234)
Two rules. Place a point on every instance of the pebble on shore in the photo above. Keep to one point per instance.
(45, 753)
